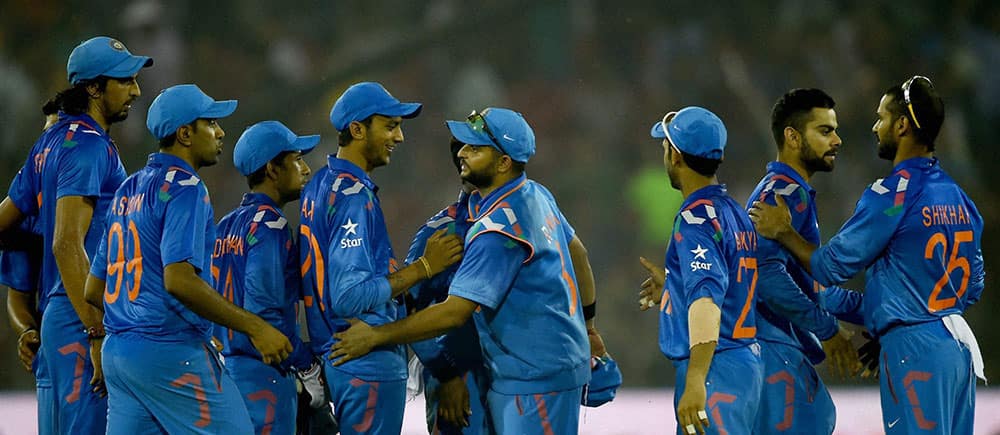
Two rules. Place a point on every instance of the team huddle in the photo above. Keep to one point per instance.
(139, 313)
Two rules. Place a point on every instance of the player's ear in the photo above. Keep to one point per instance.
(792, 138)
(271, 170)
(357, 130)
(93, 90)
(184, 134)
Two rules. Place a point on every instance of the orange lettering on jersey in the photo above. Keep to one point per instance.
(307, 209)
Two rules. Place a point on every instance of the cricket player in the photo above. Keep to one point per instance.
(153, 275)
(520, 278)
(255, 265)
(68, 182)
(917, 235)
(791, 320)
(707, 287)
(348, 266)
(454, 374)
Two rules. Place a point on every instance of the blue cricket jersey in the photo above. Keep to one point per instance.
(161, 215)
(255, 264)
(790, 304)
(517, 267)
(457, 351)
(918, 236)
(346, 258)
(712, 254)
(20, 270)
(74, 157)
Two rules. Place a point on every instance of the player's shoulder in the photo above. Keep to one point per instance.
(442, 218)
(79, 135)
(347, 187)
(897, 182)
(176, 180)
(792, 192)
(268, 217)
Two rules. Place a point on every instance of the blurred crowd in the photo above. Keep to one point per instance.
(590, 76)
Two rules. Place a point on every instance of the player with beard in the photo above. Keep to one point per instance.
(347, 264)
(525, 275)
(67, 182)
(152, 275)
(918, 237)
(791, 320)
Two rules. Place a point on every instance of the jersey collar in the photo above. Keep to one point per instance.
(781, 168)
(479, 206)
(170, 160)
(257, 198)
(916, 163)
(341, 165)
(707, 192)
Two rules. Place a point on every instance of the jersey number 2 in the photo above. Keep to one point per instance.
(740, 331)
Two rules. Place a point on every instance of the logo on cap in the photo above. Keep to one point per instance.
(116, 44)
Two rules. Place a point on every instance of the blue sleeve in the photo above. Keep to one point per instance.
(356, 284)
(862, 238)
(977, 279)
(21, 193)
(99, 263)
(489, 266)
(184, 219)
(784, 297)
(710, 278)
(83, 167)
(843, 303)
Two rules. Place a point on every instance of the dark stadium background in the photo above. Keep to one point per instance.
(590, 76)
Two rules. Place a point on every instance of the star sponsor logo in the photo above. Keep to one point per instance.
(699, 252)
(700, 265)
(347, 242)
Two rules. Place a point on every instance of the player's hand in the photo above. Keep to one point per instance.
(442, 250)
(691, 414)
(771, 221)
(27, 347)
(97, 381)
(652, 287)
(840, 354)
(597, 347)
(353, 343)
(869, 354)
(453, 402)
(273, 346)
(312, 382)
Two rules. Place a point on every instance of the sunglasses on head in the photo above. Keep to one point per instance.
(478, 123)
(906, 96)
(663, 124)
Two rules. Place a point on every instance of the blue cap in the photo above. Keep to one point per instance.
(605, 378)
(182, 104)
(695, 131)
(103, 56)
(365, 99)
(513, 134)
(263, 141)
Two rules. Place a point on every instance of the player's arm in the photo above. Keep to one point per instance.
(588, 294)
(24, 322)
(843, 303)
(442, 250)
(72, 221)
(181, 281)
(484, 278)
(783, 295)
(704, 318)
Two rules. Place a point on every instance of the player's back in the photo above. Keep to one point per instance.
(161, 215)
(712, 253)
(932, 265)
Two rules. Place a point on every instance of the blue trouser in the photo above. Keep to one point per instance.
(553, 413)
(46, 400)
(732, 390)
(269, 396)
(77, 409)
(927, 382)
(366, 407)
(169, 387)
(477, 381)
(794, 399)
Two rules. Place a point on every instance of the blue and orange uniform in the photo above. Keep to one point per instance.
(74, 157)
(456, 353)
(918, 237)
(161, 371)
(255, 265)
(345, 259)
(712, 254)
(792, 317)
(517, 267)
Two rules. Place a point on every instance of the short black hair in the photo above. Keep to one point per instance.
(76, 100)
(455, 146)
(344, 137)
(51, 107)
(260, 174)
(928, 107)
(793, 109)
(702, 165)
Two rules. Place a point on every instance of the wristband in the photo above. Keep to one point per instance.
(427, 267)
(21, 335)
(589, 311)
